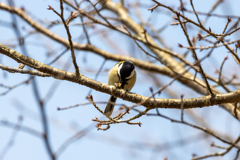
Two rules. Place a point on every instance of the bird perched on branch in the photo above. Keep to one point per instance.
(123, 76)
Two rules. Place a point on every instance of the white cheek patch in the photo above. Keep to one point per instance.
(131, 75)
(119, 68)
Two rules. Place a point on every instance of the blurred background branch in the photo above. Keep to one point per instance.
(177, 50)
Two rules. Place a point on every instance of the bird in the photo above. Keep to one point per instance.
(122, 75)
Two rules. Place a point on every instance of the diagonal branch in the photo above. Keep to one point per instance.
(233, 97)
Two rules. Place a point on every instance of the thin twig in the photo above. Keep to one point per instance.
(60, 55)
(17, 85)
(236, 157)
(98, 72)
(229, 20)
(24, 71)
(195, 56)
(85, 30)
(182, 107)
(77, 73)
(12, 138)
(220, 72)
(221, 153)
(208, 131)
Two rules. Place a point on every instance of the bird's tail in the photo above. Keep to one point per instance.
(110, 105)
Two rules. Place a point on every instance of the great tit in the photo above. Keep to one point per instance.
(123, 74)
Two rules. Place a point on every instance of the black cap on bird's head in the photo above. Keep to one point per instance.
(125, 70)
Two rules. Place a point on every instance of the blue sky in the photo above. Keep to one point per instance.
(121, 141)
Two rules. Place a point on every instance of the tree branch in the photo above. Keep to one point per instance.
(233, 97)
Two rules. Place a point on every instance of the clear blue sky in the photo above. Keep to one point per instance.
(121, 141)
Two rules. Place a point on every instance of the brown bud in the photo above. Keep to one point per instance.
(193, 39)
(49, 7)
(175, 18)
(151, 89)
(174, 23)
(229, 19)
(21, 66)
(200, 37)
(139, 123)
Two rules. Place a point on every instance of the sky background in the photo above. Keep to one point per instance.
(121, 141)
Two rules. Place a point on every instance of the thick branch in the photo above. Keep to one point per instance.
(145, 65)
(141, 64)
(233, 97)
